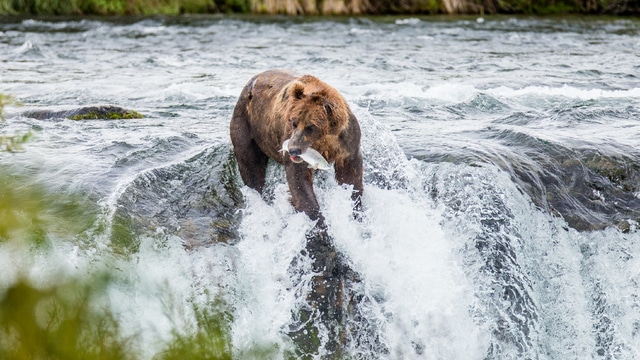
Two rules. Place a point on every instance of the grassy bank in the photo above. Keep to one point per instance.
(317, 7)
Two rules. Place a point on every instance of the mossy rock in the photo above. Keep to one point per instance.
(95, 112)
(622, 171)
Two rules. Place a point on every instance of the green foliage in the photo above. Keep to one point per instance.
(69, 318)
(28, 211)
(101, 7)
(55, 7)
(543, 7)
(58, 322)
(10, 143)
(123, 239)
(407, 7)
(6, 8)
(118, 7)
(210, 341)
(14, 143)
(4, 101)
(193, 7)
(238, 6)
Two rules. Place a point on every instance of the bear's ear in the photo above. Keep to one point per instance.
(298, 90)
(337, 113)
(328, 107)
(334, 115)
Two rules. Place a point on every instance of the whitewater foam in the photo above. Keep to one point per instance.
(454, 92)
(566, 91)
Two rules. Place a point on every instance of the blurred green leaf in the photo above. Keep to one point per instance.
(28, 211)
(63, 320)
(11, 143)
(58, 322)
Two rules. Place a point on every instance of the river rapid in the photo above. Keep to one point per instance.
(502, 179)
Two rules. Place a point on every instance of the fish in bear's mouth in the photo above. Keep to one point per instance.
(311, 156)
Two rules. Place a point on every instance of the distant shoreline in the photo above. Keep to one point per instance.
(319, 7)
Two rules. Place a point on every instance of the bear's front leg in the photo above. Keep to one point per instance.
(350, 171)
(252, 162)
(300, 179)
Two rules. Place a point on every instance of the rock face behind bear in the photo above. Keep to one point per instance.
(93, 112)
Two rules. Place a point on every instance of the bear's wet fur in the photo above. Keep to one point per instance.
(277, 105)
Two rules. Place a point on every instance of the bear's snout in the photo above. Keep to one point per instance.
(294, 154)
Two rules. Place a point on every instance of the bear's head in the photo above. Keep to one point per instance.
(316, 114)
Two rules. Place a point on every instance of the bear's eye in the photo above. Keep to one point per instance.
(309, 129)
(294, 123)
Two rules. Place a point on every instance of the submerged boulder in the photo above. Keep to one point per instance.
(92, 112)
(590, 186)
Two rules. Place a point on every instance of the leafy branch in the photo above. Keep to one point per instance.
(4, 101)
(11, 143)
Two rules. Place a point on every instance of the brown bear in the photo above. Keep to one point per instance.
(276, 106)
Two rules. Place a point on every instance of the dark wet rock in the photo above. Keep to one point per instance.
(624, 226)
(94, 112)
(334, 305)
(196, 200)
(590, 188)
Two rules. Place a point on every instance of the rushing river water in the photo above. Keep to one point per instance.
(502, 179)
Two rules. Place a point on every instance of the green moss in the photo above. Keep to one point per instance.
(114, 115)
(307, 337)
(615, 169)
(615, 175)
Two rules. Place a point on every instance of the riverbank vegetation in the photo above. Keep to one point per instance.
(317, 7)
